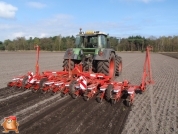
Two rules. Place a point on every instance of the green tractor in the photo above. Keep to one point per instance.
(93, 51)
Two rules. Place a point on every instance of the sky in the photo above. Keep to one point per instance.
(119, 18)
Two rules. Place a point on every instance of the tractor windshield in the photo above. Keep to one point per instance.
(98, 41)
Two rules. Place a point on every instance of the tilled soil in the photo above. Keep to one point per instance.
(154, 111)
(171, 54)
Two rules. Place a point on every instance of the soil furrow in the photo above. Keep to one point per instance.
(42, 114)
(70, 113)
(19, 104)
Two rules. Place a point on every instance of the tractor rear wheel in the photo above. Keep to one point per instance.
(109, 92)
(118, 65)
(66, 65)
(107, 67)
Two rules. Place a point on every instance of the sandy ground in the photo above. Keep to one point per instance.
(154, 111)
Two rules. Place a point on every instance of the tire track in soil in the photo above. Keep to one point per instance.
(6, 91)
(101, 119)
(45, 115)
(6, 102)
(118, 119)
(19, 103)
(13, 95)
(62, 126)
(78, 122)
(24, 127)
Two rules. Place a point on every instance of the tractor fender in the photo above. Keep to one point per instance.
(70, 54)
(105, 55)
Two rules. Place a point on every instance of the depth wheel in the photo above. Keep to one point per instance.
(74, 96)
(42, 82)
(43, 92)
(109, 92)
(53, 93)
(113, 101)
(24, 82)
(99, 99)
(128, 101)
(72, 89)
(62, 94)
(33, 90)
(86, 98)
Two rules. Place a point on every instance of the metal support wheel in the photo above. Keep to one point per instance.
(74, 96)
(128, 103)
(53, 93)
(86, 98)
(43, 92)
(99, 99)
(33, 90)
(62, 94)
(113, 101)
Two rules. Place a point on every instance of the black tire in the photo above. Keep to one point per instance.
(118, 65)
(43, 92)
(53, 93)
(99, 99)
(62, 94)
(66, 65)
(86, 98)
(128, 101)
(105, 66)
(24, 82)
(42, 81)
(33, 90)
(128, 104)
(109, 92)
(113, 101)
(72, 89)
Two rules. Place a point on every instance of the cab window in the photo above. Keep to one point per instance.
(102, 41)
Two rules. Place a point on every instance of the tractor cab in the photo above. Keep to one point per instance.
(91, 39)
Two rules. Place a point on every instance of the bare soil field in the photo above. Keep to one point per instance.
(154, 111)
(173, 54)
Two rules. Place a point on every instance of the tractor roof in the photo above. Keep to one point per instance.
(91, 33)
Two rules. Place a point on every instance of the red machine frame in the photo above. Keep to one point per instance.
(77, 82)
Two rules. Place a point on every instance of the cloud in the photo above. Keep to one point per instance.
(67, 25)
(7, 10)
(36, 5)
(18, 34)
(54, 25)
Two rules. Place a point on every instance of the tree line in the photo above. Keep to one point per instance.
(59, 43)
